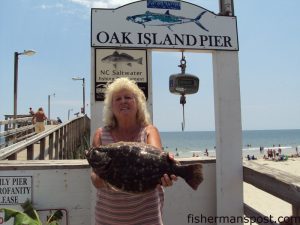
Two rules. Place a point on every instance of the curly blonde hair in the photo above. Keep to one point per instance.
(119, 84)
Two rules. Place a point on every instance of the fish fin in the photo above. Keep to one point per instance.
(140, 60)
(129, 64)
(198, 22)
(192, 174)
(115, 53)
(167, 12)
(126, 55)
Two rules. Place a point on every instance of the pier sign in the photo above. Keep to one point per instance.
(115, 63)
(161, 4)
(136, 25)
(15, 190)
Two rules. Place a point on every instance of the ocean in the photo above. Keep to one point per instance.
(198, 141)
(188, 142)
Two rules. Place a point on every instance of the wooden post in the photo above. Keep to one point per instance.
(50, 150)
(70, 152)
(56, 145)
(296, 215)
(229, 168)
(30, 152)
(61, 143)
(69, 130)
(42, 149)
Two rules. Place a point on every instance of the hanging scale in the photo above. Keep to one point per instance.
(183, 84)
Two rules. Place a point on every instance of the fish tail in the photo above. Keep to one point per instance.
(140, 60)
(192, 174)
(197, 20)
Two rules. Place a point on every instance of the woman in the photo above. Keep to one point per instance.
(39, 117)
(126, 119)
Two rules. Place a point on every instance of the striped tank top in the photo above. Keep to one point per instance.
(119, 208)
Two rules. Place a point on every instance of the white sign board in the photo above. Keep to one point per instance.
(15, 190)
(136, 26)
(114, 63)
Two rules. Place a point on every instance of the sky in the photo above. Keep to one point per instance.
(59, 31)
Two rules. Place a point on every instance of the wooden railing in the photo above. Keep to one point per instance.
(15, 130)
(276, 182)
(65, 141)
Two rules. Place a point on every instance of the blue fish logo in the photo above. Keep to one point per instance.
(166, 19)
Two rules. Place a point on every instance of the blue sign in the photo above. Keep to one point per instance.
(160, 4)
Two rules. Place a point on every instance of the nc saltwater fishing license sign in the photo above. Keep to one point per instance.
(157, 25)
(115, 63)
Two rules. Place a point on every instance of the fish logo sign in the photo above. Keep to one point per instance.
(164, 19)
(124, 58)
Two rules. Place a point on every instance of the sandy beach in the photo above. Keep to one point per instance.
(265, 203)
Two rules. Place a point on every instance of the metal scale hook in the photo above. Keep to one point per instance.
(182, 97)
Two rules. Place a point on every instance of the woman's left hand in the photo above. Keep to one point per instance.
(167, 181)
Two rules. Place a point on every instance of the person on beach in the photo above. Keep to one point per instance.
(126, 118)
(39, 117)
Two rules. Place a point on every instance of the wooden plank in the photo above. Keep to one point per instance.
(42, 164)
(26, 136)
(276, 182)
(257, 217)
(12, 121)
(15, 131)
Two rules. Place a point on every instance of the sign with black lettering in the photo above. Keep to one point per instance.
(114, 63)
(137, 26)
(161, 4)
(15, 190)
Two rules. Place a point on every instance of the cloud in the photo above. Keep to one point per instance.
(55, 6)
(62, 8)
(101, 3)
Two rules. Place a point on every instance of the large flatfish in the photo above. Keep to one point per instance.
(137, 167)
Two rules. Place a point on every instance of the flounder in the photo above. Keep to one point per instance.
(137, 167)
